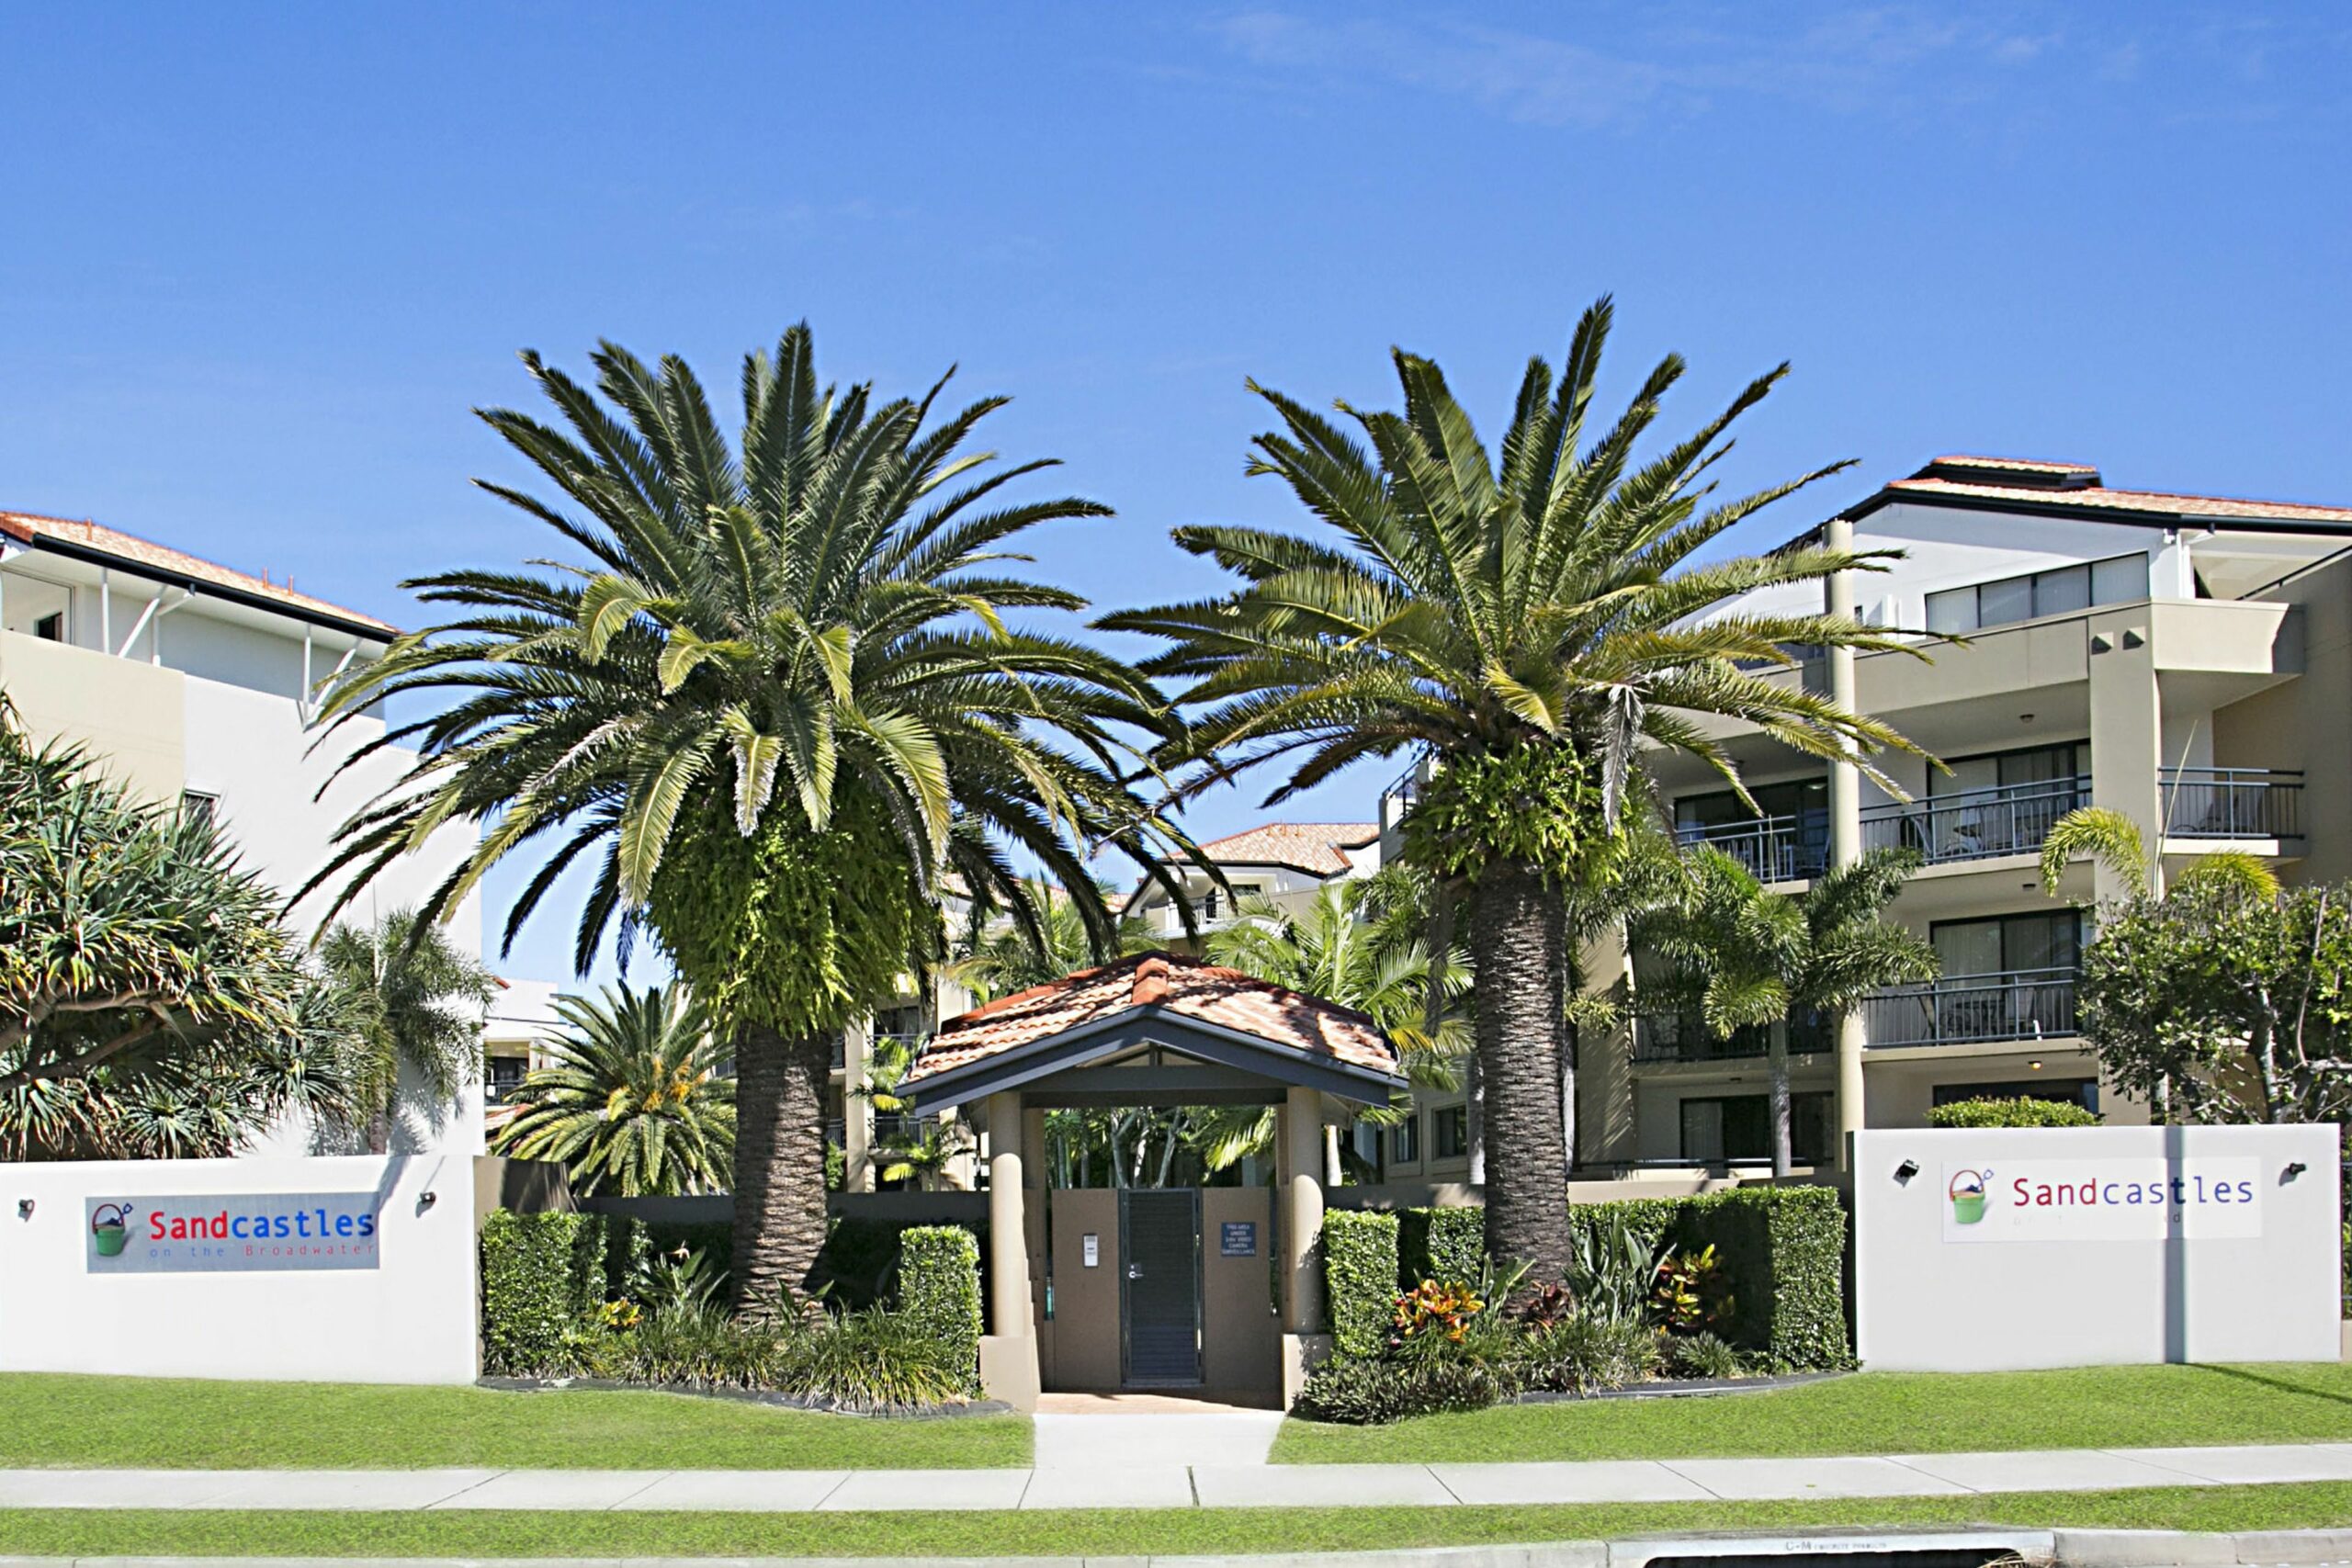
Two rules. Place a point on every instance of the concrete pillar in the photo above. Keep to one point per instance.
(1845, 834)
(1300, 1147)
(1009, 1363)
(857, 1110)
(2127, 733)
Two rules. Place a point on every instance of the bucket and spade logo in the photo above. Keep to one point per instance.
(109, 1228)
(1966, 1191)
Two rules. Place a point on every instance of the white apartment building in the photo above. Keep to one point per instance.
(1287, 862)
(194, 683)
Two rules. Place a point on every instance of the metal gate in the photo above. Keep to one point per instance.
(1159, 1297)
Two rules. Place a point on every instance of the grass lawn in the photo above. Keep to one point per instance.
(145, 1423)
(2089, 1407)
(1110, 1532)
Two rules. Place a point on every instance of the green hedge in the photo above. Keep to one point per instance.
(541, 1278)
(939, 1288)
(1360, 1274)
(2019, 1113)
(1441, 1243)
(1783, 1250)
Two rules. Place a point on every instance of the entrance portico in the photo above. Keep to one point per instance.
(1158, 1030)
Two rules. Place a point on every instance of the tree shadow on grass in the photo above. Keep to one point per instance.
(2281, 1384)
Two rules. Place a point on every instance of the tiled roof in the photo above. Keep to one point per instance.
(2160, 503)
(1187, 987)
(97, 538)
(1313, 847)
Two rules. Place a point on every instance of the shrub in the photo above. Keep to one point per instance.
(1360, 1264)
(1703, 1355)
(542, 1280)
(939, 1294)
(2019, 1113)
(874, 1360)
(1364, 1394)
(1614, 1266)
(1440, 1244)
(1587, 1353)
(1693, 1295)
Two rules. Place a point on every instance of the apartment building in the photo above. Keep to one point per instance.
(1285, 862)
(193, 683)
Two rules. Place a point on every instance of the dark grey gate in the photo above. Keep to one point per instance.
(1160, 1299)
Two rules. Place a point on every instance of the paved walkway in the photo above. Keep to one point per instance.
(1066, 1477)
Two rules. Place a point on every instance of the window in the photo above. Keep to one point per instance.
(2006, 945)
(505, 1077)
(50, 627)
(1797, 842)
(2116, 581)
(2002, 770)
(1405, 1141)
(1739, 1127)
(198, 806)
(2063, 1091)
(1450, 1132)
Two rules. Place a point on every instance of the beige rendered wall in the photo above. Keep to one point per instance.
(2307, 723)
(132, 716)
(1085, 1349)
(1240, 1336)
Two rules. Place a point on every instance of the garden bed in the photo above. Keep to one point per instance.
(776, 1398)
(1680, 1388)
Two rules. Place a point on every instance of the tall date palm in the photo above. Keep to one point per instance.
(1530, 616)
(772, 693)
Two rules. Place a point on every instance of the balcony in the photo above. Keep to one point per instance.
(2233, 803)
(1959, 1009)
(1976, 824)
(1679, 1037)
(1773, 849)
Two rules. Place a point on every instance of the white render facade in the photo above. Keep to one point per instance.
(193, 685)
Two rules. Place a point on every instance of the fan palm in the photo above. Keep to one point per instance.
(772, 693)
(634, 1099)
(1530, 622)
(1735, 956)
(414, 1005)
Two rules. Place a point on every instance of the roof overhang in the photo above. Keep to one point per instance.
(360, 630)
(1237, 1067)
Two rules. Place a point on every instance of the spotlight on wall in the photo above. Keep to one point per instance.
(426, 1200)
(24, 1208)
(2293, 1170)
(2033, 1066)
(1905, 1171)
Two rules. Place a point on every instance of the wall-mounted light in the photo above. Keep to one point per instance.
(426, 1200)
(2293, 1170)
(24, 1208)
(2033, 1066)
(1905, 1171)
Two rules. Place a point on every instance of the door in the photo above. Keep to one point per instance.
(1159, 1300)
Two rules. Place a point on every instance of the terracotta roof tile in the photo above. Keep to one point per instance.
(1313, 847)
(132, 551)
(2141, 501)
(1188, 987)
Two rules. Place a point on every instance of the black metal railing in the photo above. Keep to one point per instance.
(1975, 824)
(1773, 849)
(2024, 1004)
(503, 1082)
(898, 1130)
(1680, 1037)
(2233, 803)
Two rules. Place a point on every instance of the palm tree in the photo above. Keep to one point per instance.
(635, 1100)
(2114, 840)
(1359, 944)
(773, 693)
(999, 958)
(414, 1007)
(1530, 619)
(1740, 957)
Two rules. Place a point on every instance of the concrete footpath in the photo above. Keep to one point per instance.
(1188, 1466)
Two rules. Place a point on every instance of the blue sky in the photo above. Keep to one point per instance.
(260, 262)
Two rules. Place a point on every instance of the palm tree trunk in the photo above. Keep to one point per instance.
(1517, 935)
(779, 1165)
(1777, 1063)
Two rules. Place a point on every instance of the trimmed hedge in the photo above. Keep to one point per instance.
(1783, 1250)
(1360, 1273)
(1444, 1245)
(939, 1289)
(2018, 1112)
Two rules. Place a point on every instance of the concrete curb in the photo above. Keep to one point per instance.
(2065, 1548)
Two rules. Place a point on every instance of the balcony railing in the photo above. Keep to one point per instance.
(1975, 824)
(2233, 803)
(1679, 1037)
(1773, 849)
(2024, 1004)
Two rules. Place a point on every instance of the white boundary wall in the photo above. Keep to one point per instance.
(411, 1318)
(2079, 1255)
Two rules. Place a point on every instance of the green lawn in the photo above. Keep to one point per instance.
(186, 1425)
(1108, 1533)
(1877, 1413)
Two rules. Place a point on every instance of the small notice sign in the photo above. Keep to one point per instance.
(1093, 1248)
(1238, 1238)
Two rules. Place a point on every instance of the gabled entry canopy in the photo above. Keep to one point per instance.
(1158, 1029)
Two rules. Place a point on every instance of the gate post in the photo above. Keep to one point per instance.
(1009, 1369)
(1299, 1150)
